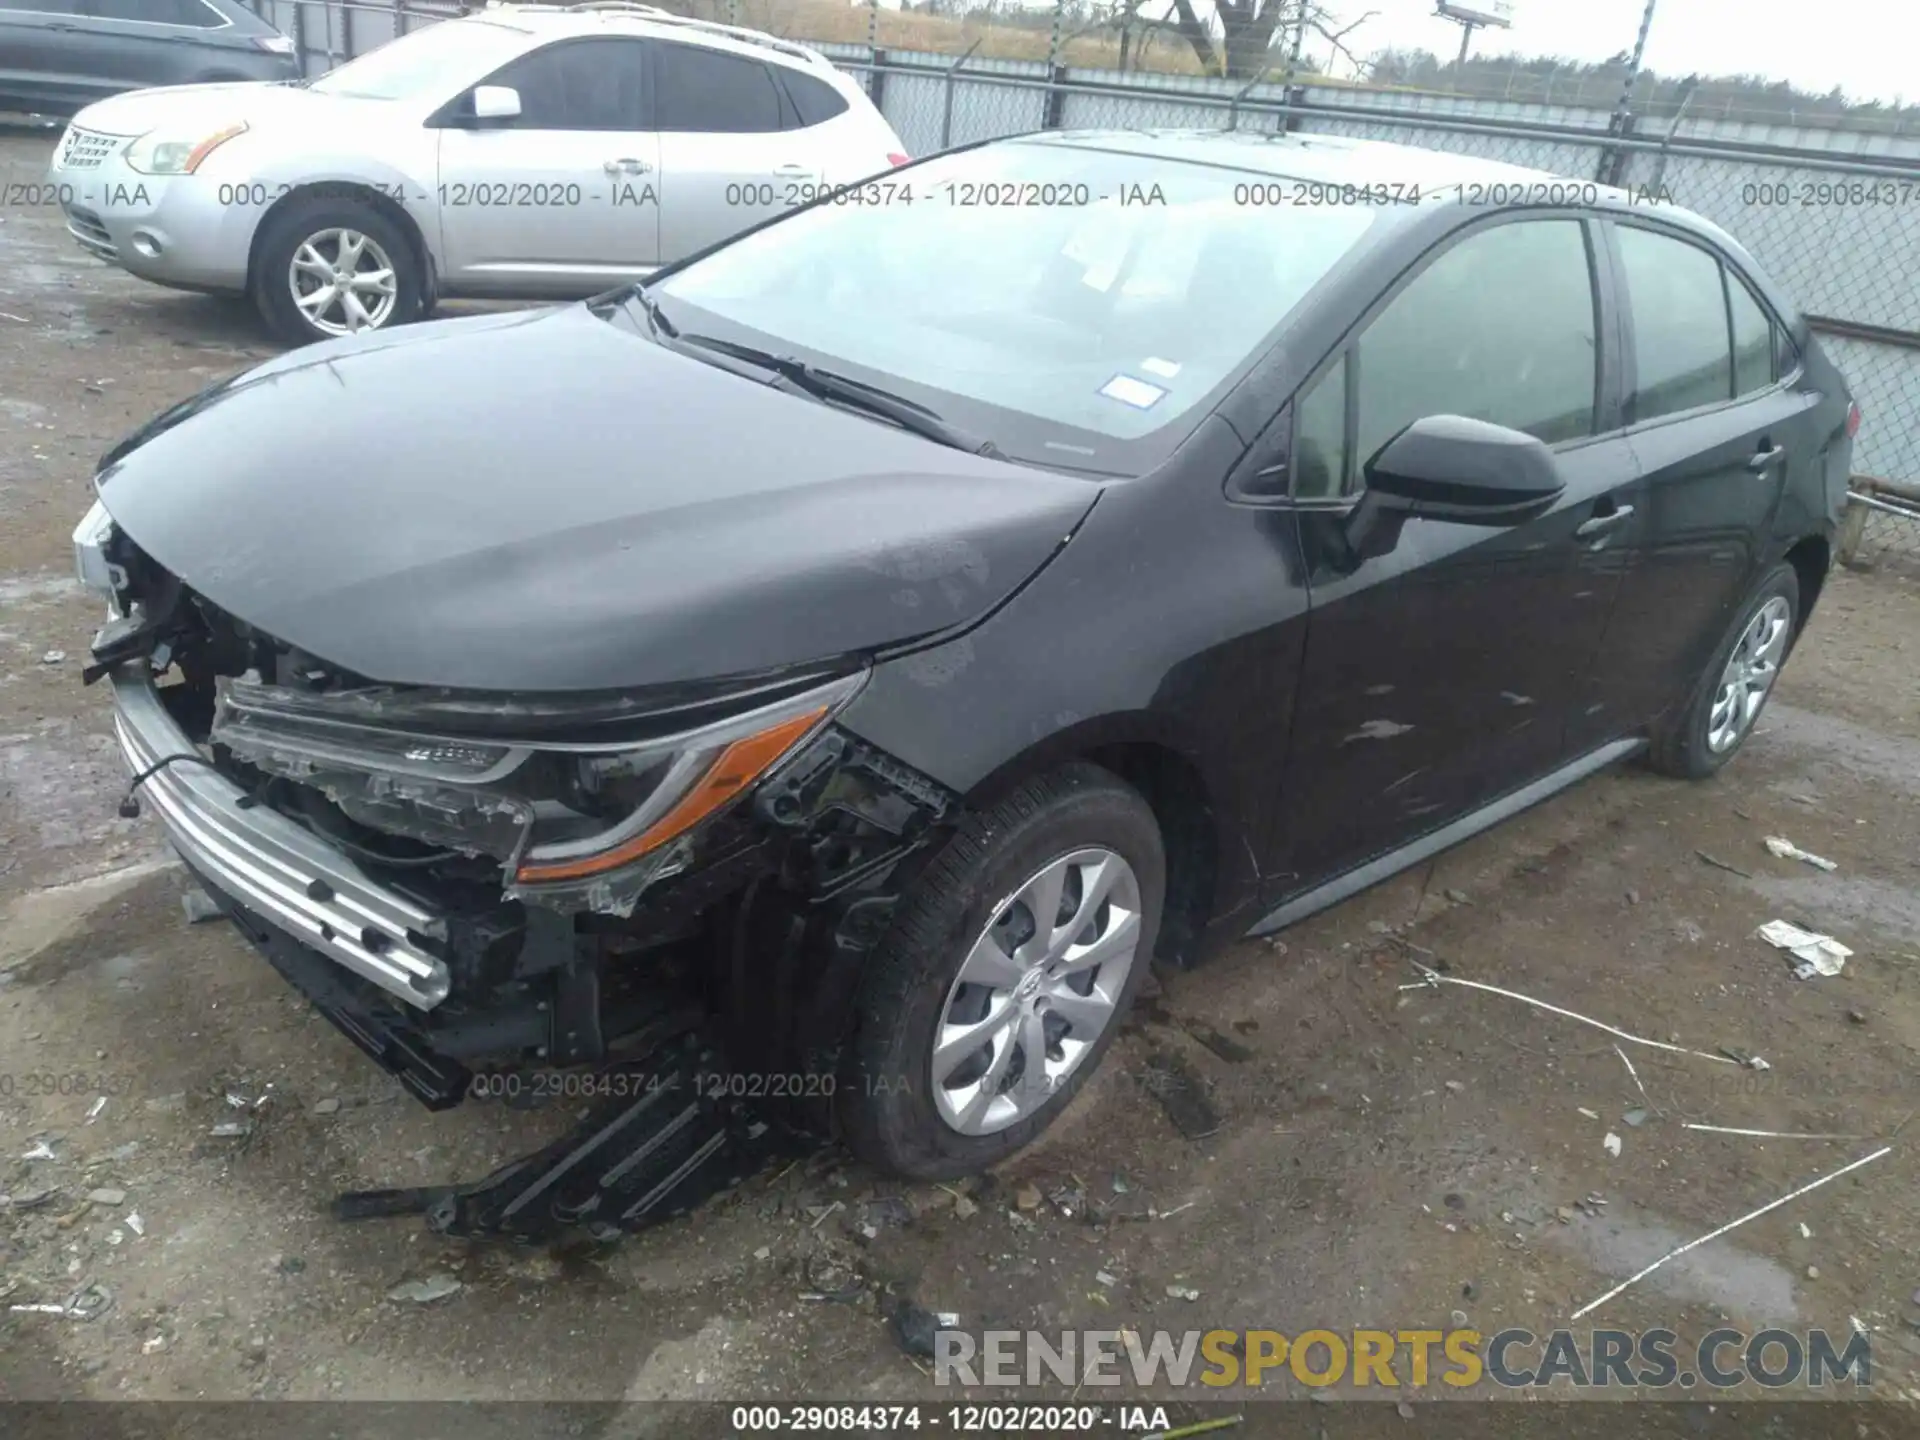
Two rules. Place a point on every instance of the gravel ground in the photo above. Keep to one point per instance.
(1384, 1157)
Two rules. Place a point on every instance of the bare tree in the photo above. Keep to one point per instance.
(1250, 30)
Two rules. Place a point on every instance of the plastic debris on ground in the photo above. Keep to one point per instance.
(914, 1327)
(425, 1292)
(93, 1112)
(1611, 1144)
(1785, 849)
(40, 1150)
(1818, 954)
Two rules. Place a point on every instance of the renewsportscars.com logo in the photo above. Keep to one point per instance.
(1461, 1359)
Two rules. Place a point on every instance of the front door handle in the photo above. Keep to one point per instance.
(794, 170)
(1767, 459)
(626, 165)
(1601, 524)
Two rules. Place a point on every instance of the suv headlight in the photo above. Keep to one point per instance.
(600, 820)
(176, 151)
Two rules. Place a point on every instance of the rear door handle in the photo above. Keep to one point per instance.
(627, 164)
(794, 170)
(1601, 524)
(1767, 459)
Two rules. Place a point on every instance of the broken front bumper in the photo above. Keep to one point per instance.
(269, 863)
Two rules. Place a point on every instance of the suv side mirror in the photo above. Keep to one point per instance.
(1448, 467)
(495, 102)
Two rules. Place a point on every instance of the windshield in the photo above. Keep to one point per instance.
(430, 62)
(1102, 295)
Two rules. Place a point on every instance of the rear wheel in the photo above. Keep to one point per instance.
(1733, 689)
(335, 266)
(1005, 977)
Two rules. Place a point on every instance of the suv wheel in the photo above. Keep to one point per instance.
(1005, 976)
(1733, 689)
(335, 266)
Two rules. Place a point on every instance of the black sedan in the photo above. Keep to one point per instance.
(798, 696)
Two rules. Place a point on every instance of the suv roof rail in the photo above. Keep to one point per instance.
(659, 16)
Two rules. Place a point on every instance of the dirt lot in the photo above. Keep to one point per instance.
(1385, 1157)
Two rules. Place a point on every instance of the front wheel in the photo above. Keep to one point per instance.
(1732, 691)
(334, 266)
(1005, 977)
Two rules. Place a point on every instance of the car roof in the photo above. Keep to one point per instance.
(627, 17)
(1336, 159)
(1342, 160)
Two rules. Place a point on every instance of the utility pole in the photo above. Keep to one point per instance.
(1466, 39)
(1613, 163)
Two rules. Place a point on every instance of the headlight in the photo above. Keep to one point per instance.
(177, 152)
(601, 820)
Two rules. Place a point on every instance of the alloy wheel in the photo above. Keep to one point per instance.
(342, 281)
(1039, 987)
(1749, 675)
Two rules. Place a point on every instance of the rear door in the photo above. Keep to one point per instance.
(1441, 674)
(1718, 429)
(732, 150)
(133, 44)
(561, 198)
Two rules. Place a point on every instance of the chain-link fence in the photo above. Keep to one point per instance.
(1832, 213)
(1882, 528)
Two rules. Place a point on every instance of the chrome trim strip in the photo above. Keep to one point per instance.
(271, 864)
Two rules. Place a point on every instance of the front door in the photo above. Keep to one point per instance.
(728, 155)
(562, 198)
(1440, 674)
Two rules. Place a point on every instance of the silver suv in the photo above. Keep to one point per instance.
(527, 150)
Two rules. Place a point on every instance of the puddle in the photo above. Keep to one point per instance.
(1720, 1274)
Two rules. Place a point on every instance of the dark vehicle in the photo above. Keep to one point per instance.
(59, 56)
(798, 695)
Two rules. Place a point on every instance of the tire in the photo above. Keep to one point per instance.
(1687, 748)
(890, 1107)
(321, 221)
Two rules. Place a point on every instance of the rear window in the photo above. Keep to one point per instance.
(699, 91)
(1682, 352)
(190, 13)
(815, 101)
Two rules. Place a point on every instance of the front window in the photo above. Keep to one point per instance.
(428, 63)
(1077, 306)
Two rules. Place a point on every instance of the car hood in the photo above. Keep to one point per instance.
(251, 102)
(545, 500)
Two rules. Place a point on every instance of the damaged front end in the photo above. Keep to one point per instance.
(481, 889)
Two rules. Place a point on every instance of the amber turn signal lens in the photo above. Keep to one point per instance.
(737, 767)
(207, 146)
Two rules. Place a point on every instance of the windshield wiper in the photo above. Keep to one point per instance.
(843, 389)
(656, 317)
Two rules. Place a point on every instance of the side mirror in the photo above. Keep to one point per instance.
(495, 102)
(1448, 467)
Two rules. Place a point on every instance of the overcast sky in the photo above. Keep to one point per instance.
(1870, 48)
